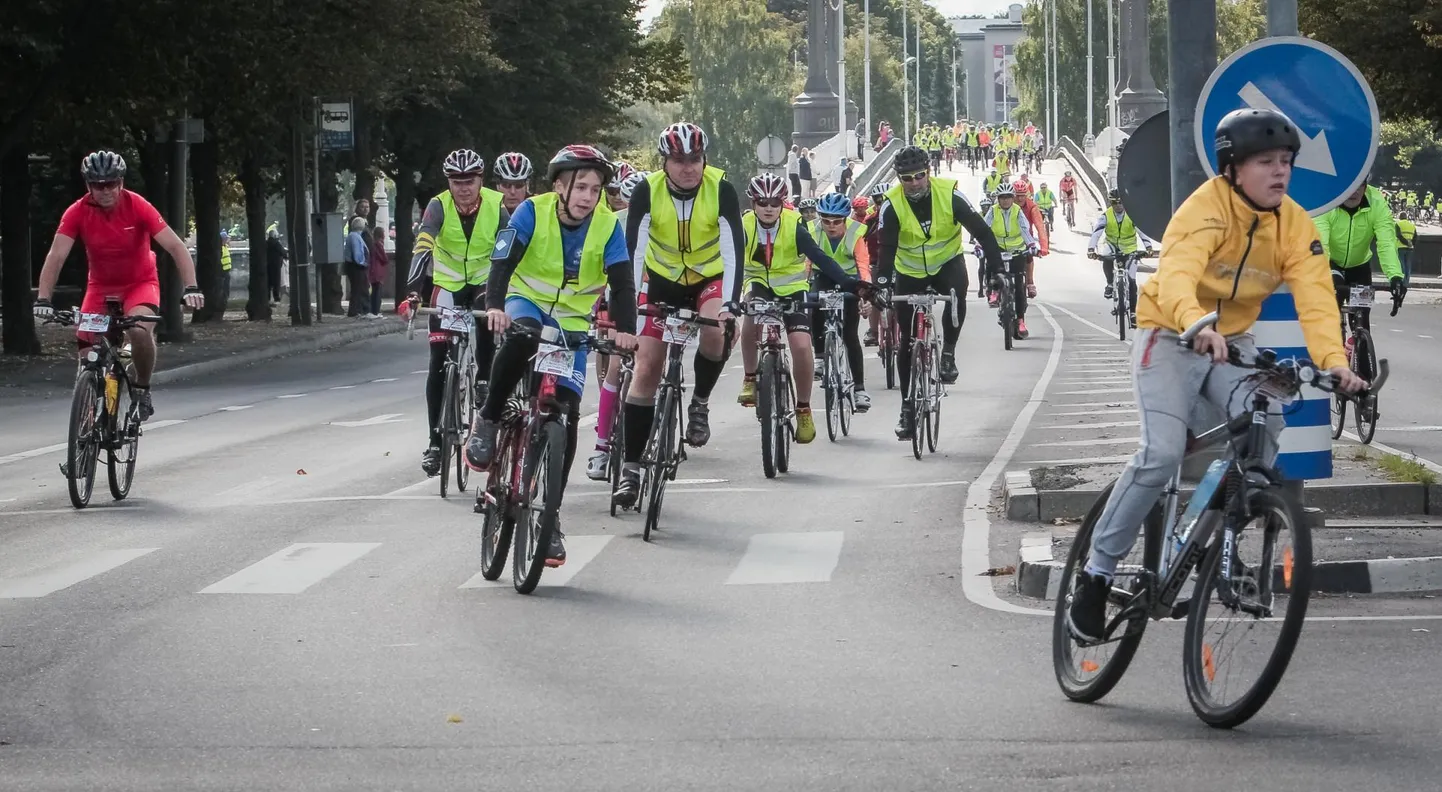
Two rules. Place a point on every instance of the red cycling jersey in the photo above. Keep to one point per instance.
(1067, 187)
(117, 242)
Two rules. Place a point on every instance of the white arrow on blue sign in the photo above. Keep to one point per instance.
(1325, 96)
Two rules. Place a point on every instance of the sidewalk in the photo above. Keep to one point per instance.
(216, 346)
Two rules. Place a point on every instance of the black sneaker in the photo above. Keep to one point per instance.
(1108, 293)
(869, 339)
(629, 487)
(482, 445)
(431, 460)
(556, 554)
(698, 424)
(1087, 616)
(142, 403)
(949, 372)
(1132, 319)
(905, 428)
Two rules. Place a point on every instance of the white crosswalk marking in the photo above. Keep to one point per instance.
(292, 570)
(68, 573)
(580, 551)
(789, 558)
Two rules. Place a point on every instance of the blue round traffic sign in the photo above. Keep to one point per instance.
(1325, 96)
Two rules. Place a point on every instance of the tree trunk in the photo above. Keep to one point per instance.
(18, 329)
(257, 306)
(205, 175)
(405, 235)
(301, 278)
(365, 172)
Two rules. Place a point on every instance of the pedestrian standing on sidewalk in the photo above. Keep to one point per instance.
(860, 138)
(357, 256)
(376, 272)
(275, 265)
(793, 171)
(848, 174)
(225, 266)
(805, 173)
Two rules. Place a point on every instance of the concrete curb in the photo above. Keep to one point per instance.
(1024, 503)
(339, 337)
(1038, 574)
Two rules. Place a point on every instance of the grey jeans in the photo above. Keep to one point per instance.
(1170, 383)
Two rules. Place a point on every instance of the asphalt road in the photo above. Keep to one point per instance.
(286, 603)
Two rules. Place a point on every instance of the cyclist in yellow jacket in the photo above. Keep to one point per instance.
(1231, 244)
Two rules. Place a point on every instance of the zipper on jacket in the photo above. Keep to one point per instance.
(1251, 237)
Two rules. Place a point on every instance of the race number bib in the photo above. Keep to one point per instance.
(1276, 390)
(456, 320)
(94, 323)
(555, 360)
(1361, 297)
(678, 331)
(833, 301)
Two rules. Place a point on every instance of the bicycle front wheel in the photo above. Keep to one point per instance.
(83, 445)
(1275, 580)
(541, 483)
(783, 425)
(661, 434)
(1007, 320)
(120, 467)
(765, 411)
(449, 429)
(831, 384)
(920, 395)
(1123, 316)
(1364, 363)
(498, 520)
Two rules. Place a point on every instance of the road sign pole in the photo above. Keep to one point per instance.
(1191, 54)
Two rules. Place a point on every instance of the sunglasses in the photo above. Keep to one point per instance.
(833, 221)
(912, 177)
(614, 192)
(769, 203)
(102, 186)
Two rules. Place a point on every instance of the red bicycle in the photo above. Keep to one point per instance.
(521, 500)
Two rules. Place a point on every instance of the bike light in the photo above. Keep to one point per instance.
(92, 356)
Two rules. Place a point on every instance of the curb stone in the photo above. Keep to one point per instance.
(1038, 574)
(341, 337)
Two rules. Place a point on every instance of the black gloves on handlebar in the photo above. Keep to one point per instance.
(1398, 287)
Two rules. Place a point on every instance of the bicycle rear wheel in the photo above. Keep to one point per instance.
(888, 358)
(783, 425)
(541, 484)
(660, 457)
(1087, 673)
(1364, 363)
(498, 520)
(616, 453)
(1279, 578)
(1339, 415)
(1007, 320)
(765, 411)
(120, 465)
(83, 445)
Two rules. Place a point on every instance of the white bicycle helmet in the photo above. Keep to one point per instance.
(513, 166)
(682, 137)
(463, 162)
(630, 183)
(766, 185)
(623, 171)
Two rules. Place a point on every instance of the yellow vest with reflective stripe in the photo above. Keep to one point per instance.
(843, 251)
(541, 275)
(691, 253)
(919, 254)
(1006, 226)
(1121, 236)
(787, 273)
(225, 257)
(457, 261)
(1045, 199)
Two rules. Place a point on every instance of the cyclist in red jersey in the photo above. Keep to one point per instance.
(117, 227)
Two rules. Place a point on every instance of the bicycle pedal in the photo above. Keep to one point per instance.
(1181, 608)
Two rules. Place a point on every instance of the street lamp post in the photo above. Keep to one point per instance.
(1055, 77)
(1090, 71)
(866, 79)
(841, 125)
(1111, 64)
(918, 77)
(953, 83)
(1046, 67)
(905, 84)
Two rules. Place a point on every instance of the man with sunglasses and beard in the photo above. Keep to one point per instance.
(684, 234)
(920, 230)
(116, 226)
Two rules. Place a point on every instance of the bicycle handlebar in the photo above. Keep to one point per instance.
(664, 311)
(71, 317)
(1295, 372)
(433, 311)
(568, 339)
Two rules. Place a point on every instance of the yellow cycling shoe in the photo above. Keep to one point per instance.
(805, 427)
(747, 396)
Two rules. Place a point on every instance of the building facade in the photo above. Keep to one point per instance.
(987, 54)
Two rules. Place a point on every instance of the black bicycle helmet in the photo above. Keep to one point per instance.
(103, 166)
(1242, 133)
(911, 159)
(1114, 196)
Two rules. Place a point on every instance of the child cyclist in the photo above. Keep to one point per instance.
(1231, 244)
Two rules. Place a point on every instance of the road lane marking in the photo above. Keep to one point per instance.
(1087, 322)
(343, 387)
(292, 396)
(236, 407)
(67, 574)
(1093, 391)
(976, 533)
(161, 424)
(580, 551)
(1097, 442)
(292, 570)
(388, 418)
(1422, 336)
(50, 449)
(384, 379)
(1117, 403)
(1106, 425)
(1106, 460)
(773, 558)
(1123, 411)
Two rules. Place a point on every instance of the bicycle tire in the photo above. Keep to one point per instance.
(783, 426)
(1107, 675)
(933, 419)
(447, 427)
(463, 421)
(831, 384)
(616, 456)
(1339, 415)
(919, 396)
(888, 361)
(1121, 303)
(498, 520)
(656, 488)
(848, 395)
(1006, 303)
(1364, 363)
(120, 471)
(765, 403)
(546, 460)
(82, 448)
(1195, 650)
